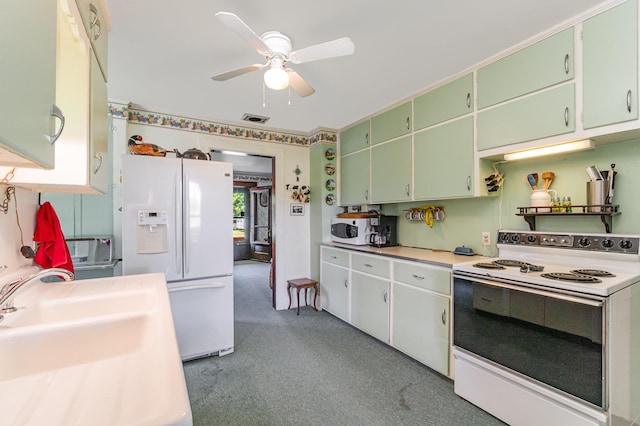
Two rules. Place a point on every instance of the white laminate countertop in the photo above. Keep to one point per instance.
(433, 257)
(125, 370)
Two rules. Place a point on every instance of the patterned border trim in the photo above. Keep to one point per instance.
(209, 127)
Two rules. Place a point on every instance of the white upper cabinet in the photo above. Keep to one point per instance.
(81, 153)
(94, 18)
(28, 84)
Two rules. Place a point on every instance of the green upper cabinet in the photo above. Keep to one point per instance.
(548, 62)
(539, 116)
(354, 179)
(391, 171)
(443, 161)
(355, 138)
(95, 24)
(28, 83)
(610, 60)
(444, 103)
(391, 124)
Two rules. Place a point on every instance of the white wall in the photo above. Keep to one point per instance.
(291, 233)
(10, 241)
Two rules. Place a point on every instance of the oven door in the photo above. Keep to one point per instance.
(556, 339)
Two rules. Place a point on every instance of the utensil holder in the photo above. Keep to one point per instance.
(597, 194)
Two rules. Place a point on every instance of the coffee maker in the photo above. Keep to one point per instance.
(384, 231)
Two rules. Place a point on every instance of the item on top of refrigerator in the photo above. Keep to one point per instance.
(137, 147)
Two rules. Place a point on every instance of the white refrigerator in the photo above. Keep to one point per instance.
(177, 219)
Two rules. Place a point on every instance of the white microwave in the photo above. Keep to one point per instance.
(350, 231)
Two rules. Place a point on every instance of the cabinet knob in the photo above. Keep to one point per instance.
(95, 22)
(366, 195)
(384, 296)
(566, 116)
(566, 64)
(366, 138)
(57, 113)
(408, 123)
(468, 100)
(407, 188)
(444, 316)
(629, 101)
(345, 283)
(468, 183)
(419, 277)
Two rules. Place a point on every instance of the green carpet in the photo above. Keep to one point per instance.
(314, 369)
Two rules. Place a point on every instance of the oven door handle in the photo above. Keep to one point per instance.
(499, 283)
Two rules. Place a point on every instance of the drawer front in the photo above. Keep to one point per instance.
(371, 265)
(426, 277)
(337, 257)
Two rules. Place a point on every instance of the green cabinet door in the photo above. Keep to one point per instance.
(354, 179)
(354, 138)
(443, 161)
(28, 81)
(334, 290)
(548, 62)
(421, 326)
(539, 116)
(370, 305)
(391, 171)
(611, 66)
(391, 124)
(444, 103)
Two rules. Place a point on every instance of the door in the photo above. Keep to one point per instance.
(208, 216)
(260, 232)
(370, 305)
(152, 184)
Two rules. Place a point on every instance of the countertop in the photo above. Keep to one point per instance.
(432, 257)
(127, 371)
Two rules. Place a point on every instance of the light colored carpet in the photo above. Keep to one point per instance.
(314, 369)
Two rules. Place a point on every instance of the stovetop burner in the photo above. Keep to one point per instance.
(593, 272)
(571, 277)
(510, 262)
(488, 265)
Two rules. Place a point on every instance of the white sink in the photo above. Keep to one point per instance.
(99, 352)
(81, 308)
(38, 349)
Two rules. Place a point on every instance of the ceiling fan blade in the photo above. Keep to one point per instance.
(340, 47)
(236, 24)
(301, 87)
(234, 73)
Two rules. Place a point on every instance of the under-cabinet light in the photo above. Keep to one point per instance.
(550, 150)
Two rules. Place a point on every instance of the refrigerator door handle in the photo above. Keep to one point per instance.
(177, 206)
(186, 221)
(198, 287)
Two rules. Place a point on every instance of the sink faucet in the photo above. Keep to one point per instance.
(9, 289)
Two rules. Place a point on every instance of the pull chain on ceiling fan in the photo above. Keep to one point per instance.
(277, 50)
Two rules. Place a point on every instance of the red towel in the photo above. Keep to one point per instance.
(52, 251)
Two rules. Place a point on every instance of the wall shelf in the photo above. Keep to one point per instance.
(604, 211)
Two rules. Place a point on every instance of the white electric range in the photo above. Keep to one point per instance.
(544, 334)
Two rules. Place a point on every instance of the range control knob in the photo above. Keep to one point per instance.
(531, 238)
(515, 238)
(626, 244)
(607, 243)
(584, 242)
(504, 238)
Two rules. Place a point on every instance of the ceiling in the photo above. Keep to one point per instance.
(163, 53)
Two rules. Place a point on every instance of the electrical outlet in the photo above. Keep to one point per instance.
(486, 239)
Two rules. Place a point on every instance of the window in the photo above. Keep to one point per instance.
(240, 201)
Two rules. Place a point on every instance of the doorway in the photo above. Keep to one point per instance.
(254, 210)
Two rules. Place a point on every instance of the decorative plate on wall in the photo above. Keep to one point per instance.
(330, 185)
(330, 199)
(330, 154)
(330, 169)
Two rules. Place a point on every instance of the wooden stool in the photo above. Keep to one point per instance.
(304, 283)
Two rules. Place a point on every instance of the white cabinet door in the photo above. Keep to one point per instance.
(334, 290)
(370, 305)
(28, 83)
(421, 326)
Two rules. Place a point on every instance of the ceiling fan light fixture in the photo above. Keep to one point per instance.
(276, 78)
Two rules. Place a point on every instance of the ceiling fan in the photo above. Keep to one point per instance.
(277, 50)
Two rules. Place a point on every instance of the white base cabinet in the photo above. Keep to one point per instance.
(421, 326)
(370, 305)
(403, 303)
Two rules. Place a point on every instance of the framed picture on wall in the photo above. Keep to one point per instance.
(297, 209)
